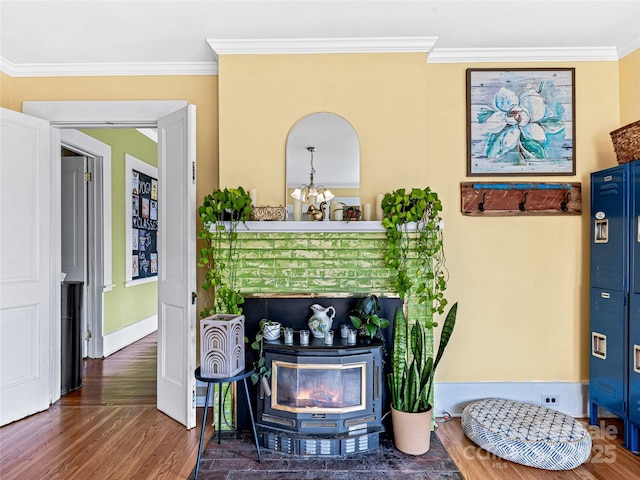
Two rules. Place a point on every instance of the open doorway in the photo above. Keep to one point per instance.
(126, 311)
(175, 121)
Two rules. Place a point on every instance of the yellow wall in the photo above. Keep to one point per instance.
(522, 282)
(5, 91)
(383, 96)
(200, 90)
(630, 88)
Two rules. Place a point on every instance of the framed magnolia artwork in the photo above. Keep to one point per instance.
(521, 121)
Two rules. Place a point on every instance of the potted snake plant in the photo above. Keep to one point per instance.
(411, 381)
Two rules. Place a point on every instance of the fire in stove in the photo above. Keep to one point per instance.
(320, 397)
(321, 387)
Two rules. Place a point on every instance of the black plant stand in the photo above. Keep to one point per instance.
(210, 382)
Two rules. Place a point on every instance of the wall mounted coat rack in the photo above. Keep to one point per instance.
(518, 198)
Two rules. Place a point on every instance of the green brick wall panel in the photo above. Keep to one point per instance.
(276, 263)
(287, 263)
(321, 263)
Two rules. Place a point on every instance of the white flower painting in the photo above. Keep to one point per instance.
(520, 122)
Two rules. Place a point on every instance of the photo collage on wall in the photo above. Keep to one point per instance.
(144, 226)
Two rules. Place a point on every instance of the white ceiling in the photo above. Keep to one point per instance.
(147, 36)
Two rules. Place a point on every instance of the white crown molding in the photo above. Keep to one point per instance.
(487, 55)
(629, 47)
(106, 69)
(321, 45)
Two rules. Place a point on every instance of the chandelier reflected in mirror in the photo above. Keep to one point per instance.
(312, 193)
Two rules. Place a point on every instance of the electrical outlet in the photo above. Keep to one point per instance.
(550, 400)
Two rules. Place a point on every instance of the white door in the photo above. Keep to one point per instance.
(177, 265)
(25, 288)
(73, 214)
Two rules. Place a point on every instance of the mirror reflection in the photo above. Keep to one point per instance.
(323, 151)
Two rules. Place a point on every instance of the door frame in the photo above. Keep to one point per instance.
(73, 115)
(99, 240)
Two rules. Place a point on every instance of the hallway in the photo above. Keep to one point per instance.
(108, 429)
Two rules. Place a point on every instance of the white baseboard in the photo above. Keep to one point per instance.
(128, 335)
(452, 397)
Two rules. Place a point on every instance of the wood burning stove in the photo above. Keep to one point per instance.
(325, 399)
(322, 428)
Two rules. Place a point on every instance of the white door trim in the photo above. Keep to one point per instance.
(101, 114)
(99, 233)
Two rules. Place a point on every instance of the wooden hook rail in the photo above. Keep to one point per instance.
(520, 198)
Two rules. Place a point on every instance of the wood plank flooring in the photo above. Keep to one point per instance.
(609, 459)
(109, 429)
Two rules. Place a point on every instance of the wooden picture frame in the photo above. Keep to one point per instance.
(521, 121)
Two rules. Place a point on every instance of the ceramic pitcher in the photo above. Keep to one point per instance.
(320, 322)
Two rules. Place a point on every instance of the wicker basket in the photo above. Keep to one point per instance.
(626, 142)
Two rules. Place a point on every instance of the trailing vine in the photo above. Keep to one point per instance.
(221, 212)
(428, 279)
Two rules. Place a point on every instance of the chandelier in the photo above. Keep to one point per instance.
(312, 193)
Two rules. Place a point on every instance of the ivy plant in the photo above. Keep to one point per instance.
(419, 208)
(260, 369)
(221, 212)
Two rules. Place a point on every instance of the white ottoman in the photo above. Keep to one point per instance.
(527, 434)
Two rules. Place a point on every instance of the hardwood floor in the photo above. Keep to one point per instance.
(609, 459)
(109, 429)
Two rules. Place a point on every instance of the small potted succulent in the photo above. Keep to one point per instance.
(270, 329)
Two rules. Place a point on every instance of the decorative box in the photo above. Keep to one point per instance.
(268, 213)
(222, 346)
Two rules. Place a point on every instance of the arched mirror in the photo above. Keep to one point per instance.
(323, 149)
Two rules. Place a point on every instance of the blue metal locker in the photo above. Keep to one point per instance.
(632, 435)
(634, 358)
(610, 228)
(607, 388)
(615, 297)
(634, 226)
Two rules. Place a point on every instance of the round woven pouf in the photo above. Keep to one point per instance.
(528, 434)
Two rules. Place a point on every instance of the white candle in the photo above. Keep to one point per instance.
(254, 197)
(367, 211)
(379, 212)
(297, 210)
(334, 207)
(337, 215)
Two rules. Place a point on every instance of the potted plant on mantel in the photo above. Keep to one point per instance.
(416, 255)
(221, 213)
